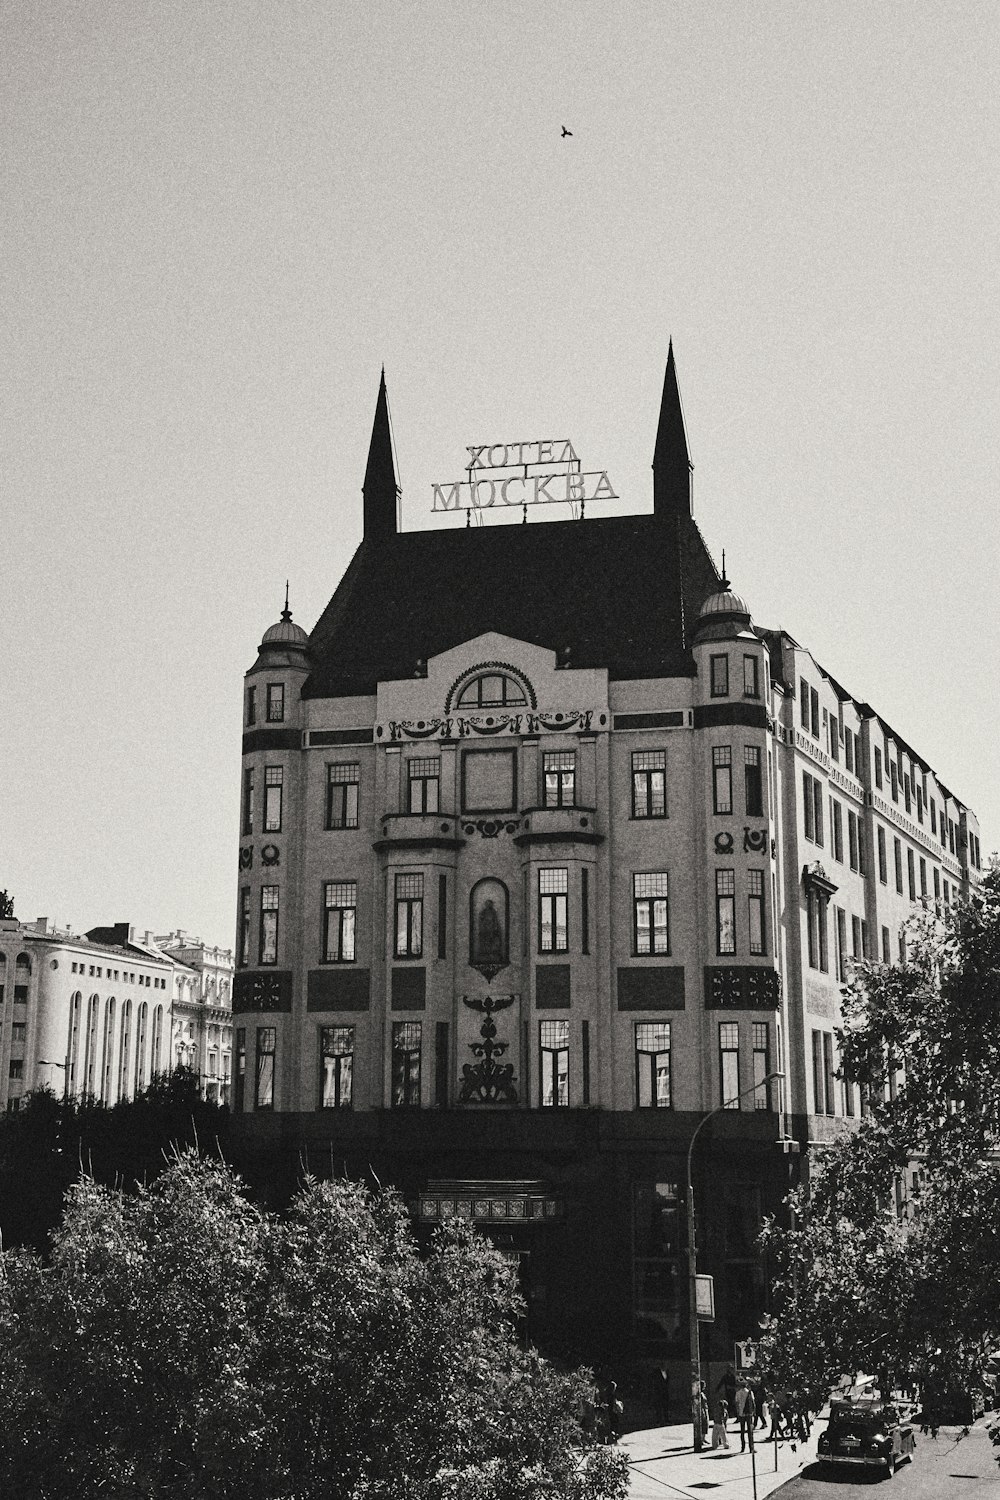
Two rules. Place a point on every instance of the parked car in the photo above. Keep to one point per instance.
(869, 1433)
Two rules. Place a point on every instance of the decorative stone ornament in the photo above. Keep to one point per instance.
(488, 1081)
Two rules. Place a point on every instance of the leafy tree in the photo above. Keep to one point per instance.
(891, 1263)
(185, 1344)
(6, 905)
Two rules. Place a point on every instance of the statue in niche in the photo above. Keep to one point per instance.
(488, 928)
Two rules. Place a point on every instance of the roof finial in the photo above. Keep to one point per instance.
(286, 613)
(723, 581)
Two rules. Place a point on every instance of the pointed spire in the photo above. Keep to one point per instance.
(286, 613)
(671, 465)
(380, 489)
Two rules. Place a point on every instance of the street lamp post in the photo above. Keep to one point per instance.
(695, 1343)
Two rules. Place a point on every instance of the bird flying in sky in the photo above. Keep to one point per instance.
(565, 132)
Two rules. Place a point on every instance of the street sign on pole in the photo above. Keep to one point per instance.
(705, 1298)
(746, 1354)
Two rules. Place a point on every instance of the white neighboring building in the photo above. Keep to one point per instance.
(201, 1028)
(81, 1014)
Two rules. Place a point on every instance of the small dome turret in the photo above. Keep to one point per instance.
(722, 614)
(284, 642)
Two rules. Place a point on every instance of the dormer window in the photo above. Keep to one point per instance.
(492, 690)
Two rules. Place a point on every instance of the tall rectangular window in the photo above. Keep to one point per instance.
(725, 911)
(893, 781)
(442, 1064)
(755, 909)
(753, 781)
(409, 916)
(553, 1043)
(649, 784)
(829, 1082)
(651, 913)
(878, 767)
(275, 702)
(923, 877)
(897, 850)
(722, 779)
(423, 783)
(240, 1081)
(911, 876)
(761, 1038)
(652, 1064)
(841, 918)
(933, 816)
(808, 808)
(853, 841)
(266, 1043)
(857, 944)
(751, 677)
(405, 1064)
(937, 882)
(251, 705)
(559, 777)
(886, 946)
(244, 946)
(814, 712)
(883, 868)
(804, 703)
(849, 749)
(342, 795)
(340, 912)
(819, 1090)
(268, 924)
(729, 1064)
(553, 897)
(837, 829)
(336, 1066)
(273, 785)
(442, 916)
(817, 935)
(818, 810)
(246, 825)
(719, 676)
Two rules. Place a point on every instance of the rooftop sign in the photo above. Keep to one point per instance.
(500, 474)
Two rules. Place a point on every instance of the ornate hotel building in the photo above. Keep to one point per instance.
(547, 850)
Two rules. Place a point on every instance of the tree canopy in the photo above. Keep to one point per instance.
(891, 1261)
(184, 1343)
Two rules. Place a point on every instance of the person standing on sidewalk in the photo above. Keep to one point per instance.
(719, 1437)
(746, 1410)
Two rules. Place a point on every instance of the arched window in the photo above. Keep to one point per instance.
(156, 1043)
(489, 927)
(124, 1050)
(140, 1047)
(90, 1046)
(72, 1041)
(109, 1047)
(491, 684)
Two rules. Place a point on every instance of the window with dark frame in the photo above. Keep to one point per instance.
(829, 1080)
(652, 1065)
(893, 781)
(719, 674)
(251, 705)
(268, 951)
(244, 946)
(342, 788)
(760, 1036)
(725, 911)
(336, 1066)
(751, 677)
(897, 850)
(722, 780)
(878, 767)
(274, 777)
(491, 690)
(246, 826)
(729, 1064)
(853, 841)
(240, 1078)
(424, 784)
(814, 712)
(804, 703)
(409, 916)
(753, 781)
(649, 783)
(553, 1046)
(911, 875)
(340, 915)
(651, 913)
(559, 778)
(883, 868)
(849, 748)
(837, 829)
(840, 918)
(818, 951)
(857, 949)
(755, 910)
(553, 915)
(406, 1064)
(275, 702)
(266, 1046)
(886, 946)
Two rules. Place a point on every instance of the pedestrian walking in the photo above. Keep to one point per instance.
(720, 1438)
(746, 1410)
(759, 1396)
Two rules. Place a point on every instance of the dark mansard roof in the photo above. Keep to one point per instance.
(616, 592)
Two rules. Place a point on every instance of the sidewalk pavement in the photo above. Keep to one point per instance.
(664, 1465)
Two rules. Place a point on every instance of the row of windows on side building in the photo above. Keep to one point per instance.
(650, 917)
(653, 1072)
(558, 789)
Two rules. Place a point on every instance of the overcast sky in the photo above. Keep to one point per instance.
(219, 219)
